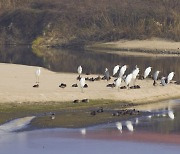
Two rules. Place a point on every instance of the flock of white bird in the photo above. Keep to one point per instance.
(130, 77)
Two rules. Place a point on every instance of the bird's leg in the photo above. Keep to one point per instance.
(82, 90)
(118, 89)
(154, 83)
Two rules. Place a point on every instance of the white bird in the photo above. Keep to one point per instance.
(118, 83)
(38, 73)
(129, 126)
(128, 79)
(115, 70)
(119, 126)
(79, 70)
(171, 114)
(149, 116)
(136, 121)
(83, 131)
(147, 71)
(170, 77)
(155, 77)
(135, 72)
(122, 71)
(82, 83)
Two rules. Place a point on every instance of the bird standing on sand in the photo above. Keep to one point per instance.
(155, 77)
(115, 70)
(79, 70)
(38, 73)
(135, 72)
(82, 83)
(128, 80)
(170, 77)
(146, 72)
(107, 76)
(118, 83)
(122, 71)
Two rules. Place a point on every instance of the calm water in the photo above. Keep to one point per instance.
(68, 60)
(158, 132)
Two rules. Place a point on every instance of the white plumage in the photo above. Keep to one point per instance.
(38, 73)
(79, 70)
(129, 126)
(115, 70)
(170, 77)
(128, 79)
(147, 71)
(171, 114)
(119, 126)
(135, 73)
(82, 83)
(122, 71)
(118, 83)
(83, 131)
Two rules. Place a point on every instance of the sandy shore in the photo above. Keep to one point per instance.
(17, 81)
(150, 47)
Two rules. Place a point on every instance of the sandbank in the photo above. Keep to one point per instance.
(17, 82)
(149, 47)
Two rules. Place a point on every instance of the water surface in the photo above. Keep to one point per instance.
(154, 133)
(92, 62)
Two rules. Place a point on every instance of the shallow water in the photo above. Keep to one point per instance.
(69, 60)
(157, 132)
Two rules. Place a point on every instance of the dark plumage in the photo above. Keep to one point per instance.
(75, 85)
(112, 85)
(85, 86)
(36, 86)
(100, 110)
(76, 101)
(62, 85)
(85, 101)
(93, 113)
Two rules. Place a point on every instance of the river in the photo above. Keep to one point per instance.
(92, 62)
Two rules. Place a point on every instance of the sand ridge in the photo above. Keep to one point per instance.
(17, 81)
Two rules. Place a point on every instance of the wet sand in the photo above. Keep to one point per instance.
(17, 81)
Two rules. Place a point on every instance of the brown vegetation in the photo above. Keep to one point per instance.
(76, 22)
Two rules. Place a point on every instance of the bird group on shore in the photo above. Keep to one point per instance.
(119, 75)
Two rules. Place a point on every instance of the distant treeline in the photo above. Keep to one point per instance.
(78, 22)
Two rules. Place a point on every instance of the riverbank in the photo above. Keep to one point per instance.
(149, 47)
